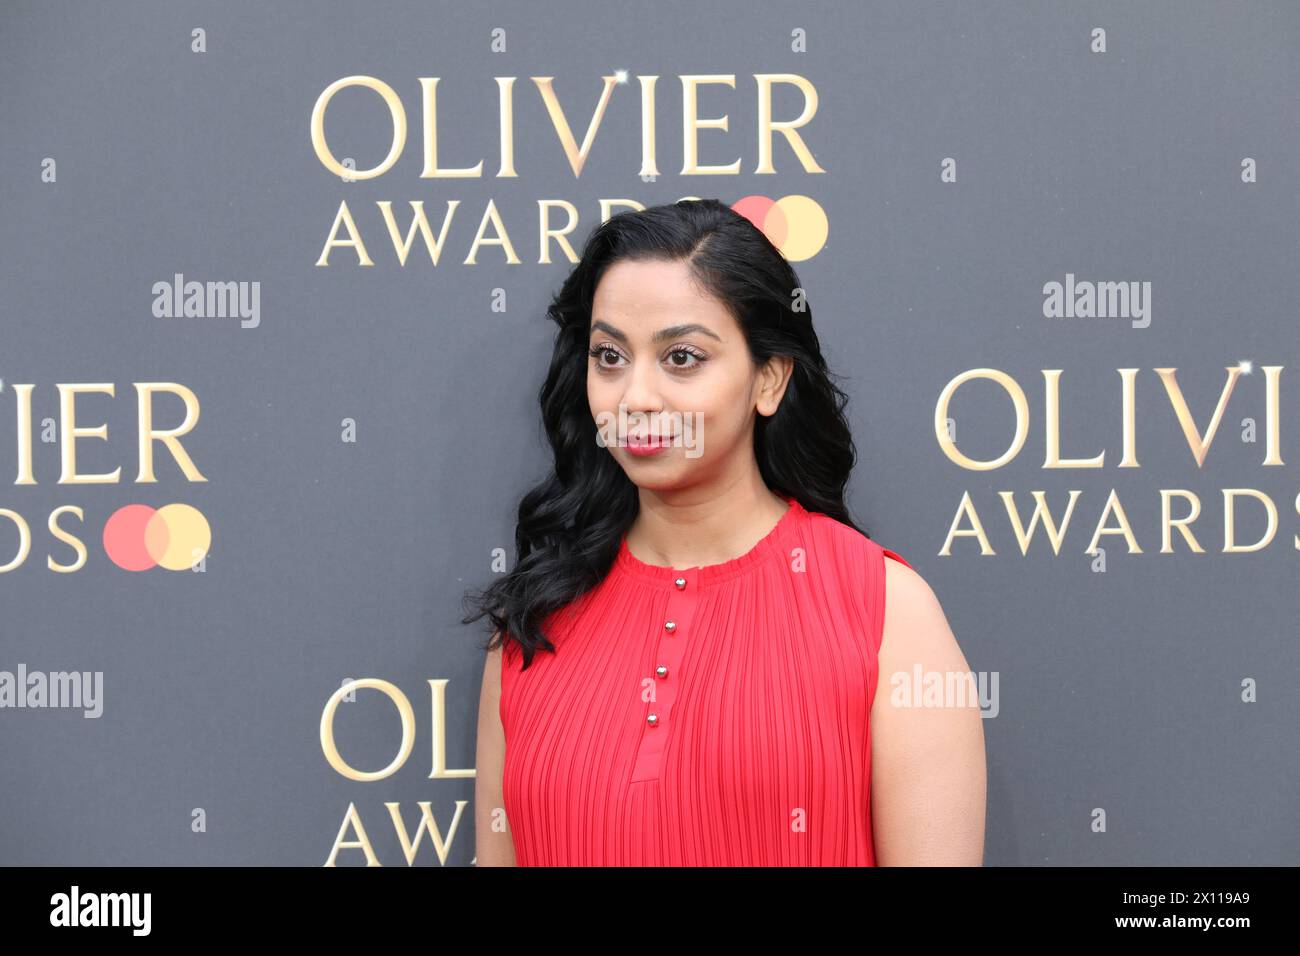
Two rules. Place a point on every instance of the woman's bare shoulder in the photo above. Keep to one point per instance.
(915, 623)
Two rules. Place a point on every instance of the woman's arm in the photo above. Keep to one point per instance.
(493, 844)
(928, 775)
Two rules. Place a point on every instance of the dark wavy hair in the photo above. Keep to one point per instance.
(570, 525)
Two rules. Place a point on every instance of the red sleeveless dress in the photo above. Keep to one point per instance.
(711, 716)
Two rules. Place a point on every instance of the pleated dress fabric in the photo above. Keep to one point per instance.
(708, 716)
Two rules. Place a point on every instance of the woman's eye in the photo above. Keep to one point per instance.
(683, 359)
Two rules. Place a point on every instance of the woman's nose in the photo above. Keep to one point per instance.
(641, 392)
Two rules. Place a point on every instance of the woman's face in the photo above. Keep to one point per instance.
(671, 376)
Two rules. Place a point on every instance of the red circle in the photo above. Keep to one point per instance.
(124, 537)
(754, 208)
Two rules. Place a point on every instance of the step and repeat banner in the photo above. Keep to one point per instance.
(274, 284)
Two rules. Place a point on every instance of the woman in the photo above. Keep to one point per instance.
(695, 627)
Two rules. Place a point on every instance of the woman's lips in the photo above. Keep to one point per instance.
(648, 444)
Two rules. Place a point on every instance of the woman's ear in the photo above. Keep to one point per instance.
(773, 378)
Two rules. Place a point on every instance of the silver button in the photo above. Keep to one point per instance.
(661, 671)
(652, 720)
(669, 626)
(681, 584)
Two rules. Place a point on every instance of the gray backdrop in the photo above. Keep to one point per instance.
(1161, 690)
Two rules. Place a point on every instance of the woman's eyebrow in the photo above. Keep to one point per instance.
(663, 335)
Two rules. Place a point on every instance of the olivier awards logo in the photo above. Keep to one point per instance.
(352, 833)
(135, 537)
(795, 224)
(1179, 508)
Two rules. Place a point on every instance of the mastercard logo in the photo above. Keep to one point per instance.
(138, 537)
(794, 224)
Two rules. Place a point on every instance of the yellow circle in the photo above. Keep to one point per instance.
(188, 539)
(808, 227)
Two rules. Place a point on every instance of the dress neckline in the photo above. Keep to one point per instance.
(769, 545)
